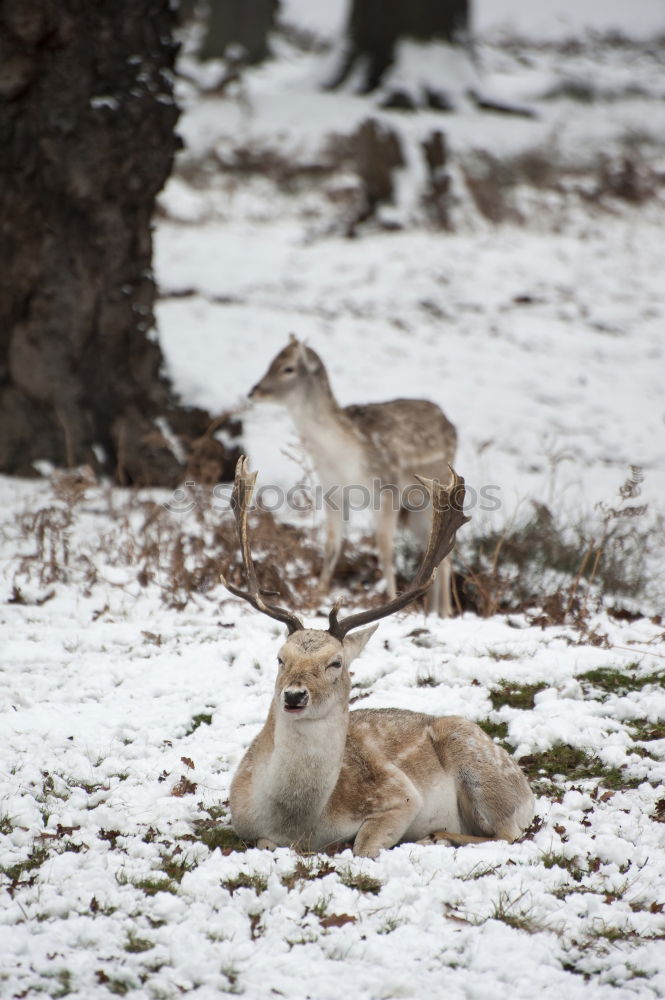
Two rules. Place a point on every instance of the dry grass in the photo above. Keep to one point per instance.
(558, 573)
(73, 534)
(494, 183)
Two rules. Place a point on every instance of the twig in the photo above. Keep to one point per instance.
(573, 590)
(635, 649)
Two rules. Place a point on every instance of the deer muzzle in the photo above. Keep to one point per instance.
(258, 391)
(295, 700)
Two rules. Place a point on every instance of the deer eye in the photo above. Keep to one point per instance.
(288, 370)
(280, 662)
(336, 664)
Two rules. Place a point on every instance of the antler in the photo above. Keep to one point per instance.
(243, 487)
(448, 517)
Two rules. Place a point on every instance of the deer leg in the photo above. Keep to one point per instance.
(265, 844)
(445, 575)
(458, 839)
(498, 804)
(334, 536)
(385, 829)
(494, 800)
(439, 597)
(385, 527)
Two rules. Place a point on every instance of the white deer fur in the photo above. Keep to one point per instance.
(318, 774)
(378, 443)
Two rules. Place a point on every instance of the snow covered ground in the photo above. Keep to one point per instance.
(122, 723)
(122, 719)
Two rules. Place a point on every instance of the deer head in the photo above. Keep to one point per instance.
(313, 672)
(294, 374)
(313, 663)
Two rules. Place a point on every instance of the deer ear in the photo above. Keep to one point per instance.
(355, 642)
(309, 359)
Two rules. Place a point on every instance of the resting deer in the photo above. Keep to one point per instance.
(318, 774)
(378, 446)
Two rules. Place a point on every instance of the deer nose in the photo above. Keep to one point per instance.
(295, 699)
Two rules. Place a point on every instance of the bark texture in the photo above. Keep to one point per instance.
(87, 140)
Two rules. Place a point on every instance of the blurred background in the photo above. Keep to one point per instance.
(459, 200)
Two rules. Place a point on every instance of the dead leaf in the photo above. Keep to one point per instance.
(184, 787)
(337, 920)
(152, 637)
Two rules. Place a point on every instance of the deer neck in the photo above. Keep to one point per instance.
(304, 767)
(315, 402)
(327, 434)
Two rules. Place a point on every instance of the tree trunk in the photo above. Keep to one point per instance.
(242, 23)
(87, 140)
(375, 27)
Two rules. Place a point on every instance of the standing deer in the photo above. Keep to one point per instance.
(378, 446)
(318, 774)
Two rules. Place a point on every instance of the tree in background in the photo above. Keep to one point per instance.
(375, 28)
(239, 24)
(87, 121)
